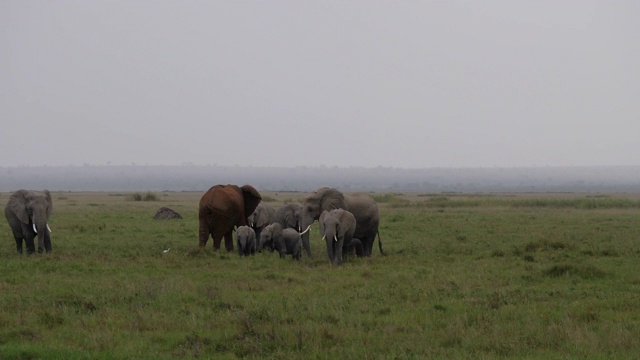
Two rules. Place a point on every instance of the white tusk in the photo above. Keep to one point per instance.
(48, 228)
(308, 227)
(335, 238)
(324, 238)
(34, 228)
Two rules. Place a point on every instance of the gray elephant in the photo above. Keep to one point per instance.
(289, 243)
(28, 214)
(337, 228)
(246, 240)
(263, 215)
(284, 241)
(270, 232)
(362, 206)
(289, 216)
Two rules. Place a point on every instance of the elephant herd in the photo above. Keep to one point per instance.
(348, 222)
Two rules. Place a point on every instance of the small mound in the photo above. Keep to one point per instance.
(165, 213)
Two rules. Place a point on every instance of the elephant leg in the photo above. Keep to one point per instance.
(18, 244)
(228, 241)
(338, 246)
(216, 242)
(203, 243)
(31, 248)
(357, 246)
(306, 245)
(367, 244)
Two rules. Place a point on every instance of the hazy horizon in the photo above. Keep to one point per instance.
(411, 85)
(380, 179)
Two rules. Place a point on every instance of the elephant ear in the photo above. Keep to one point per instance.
(18, 205)
(50, 207)
(251, 198)
(291, 217)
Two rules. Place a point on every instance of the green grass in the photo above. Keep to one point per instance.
(466, 276)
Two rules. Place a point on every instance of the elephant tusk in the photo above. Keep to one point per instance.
(34, 228)
(308, 227)
(48, 228)
(335, 238)
(324, 238)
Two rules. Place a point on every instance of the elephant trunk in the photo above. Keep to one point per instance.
(330, 247)
(305, 223)
(40, 227)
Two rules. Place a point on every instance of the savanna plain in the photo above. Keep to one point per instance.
(464, 276)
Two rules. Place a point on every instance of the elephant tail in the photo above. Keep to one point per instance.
(380, 243)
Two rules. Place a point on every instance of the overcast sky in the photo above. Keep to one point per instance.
(412, 84)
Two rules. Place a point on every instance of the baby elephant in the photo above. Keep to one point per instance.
(270, 232)
(289, 243)
(284, 241)
(337, 228)
(246, 239)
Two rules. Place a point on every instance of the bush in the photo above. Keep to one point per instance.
(148, 196)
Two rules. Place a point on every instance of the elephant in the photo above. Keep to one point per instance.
(361, 205)
(337, 228)
(263, 215)
(284, 241)
(28, 215)
(246, 239)
(289, 216)
(270, 232)
(289, 243)
(222, 208)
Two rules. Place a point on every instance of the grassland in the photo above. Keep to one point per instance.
(466, 276)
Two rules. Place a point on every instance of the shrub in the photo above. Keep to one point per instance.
(148, 196)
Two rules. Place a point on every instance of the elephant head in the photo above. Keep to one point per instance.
(337, 228)
(28, 214)
(288, 215)
(262, 216)
(320, 200)
(222, 208)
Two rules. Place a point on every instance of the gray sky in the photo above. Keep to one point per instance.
(408, 84)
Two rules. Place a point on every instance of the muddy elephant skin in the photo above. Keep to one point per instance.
(222, 208)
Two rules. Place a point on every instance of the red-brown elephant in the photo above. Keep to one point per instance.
(222, 208)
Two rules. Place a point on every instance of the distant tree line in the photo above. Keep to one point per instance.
(379, 179)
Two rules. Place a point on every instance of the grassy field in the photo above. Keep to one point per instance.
(466, 276)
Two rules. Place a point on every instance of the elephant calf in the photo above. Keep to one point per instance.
(289, 243)
(246, 239)
(268, 234)
(284, 241)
